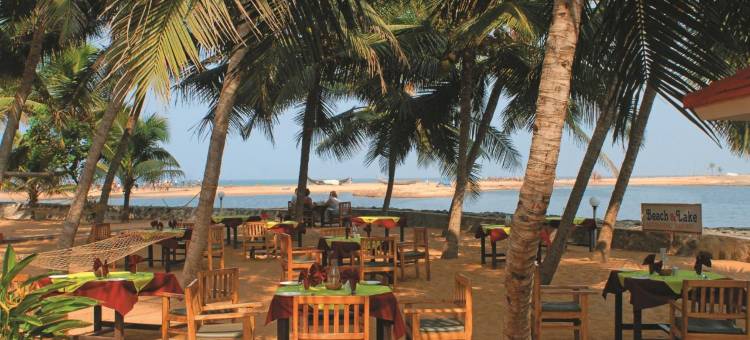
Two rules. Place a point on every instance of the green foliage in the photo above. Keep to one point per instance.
(41, 148)
(27, 311)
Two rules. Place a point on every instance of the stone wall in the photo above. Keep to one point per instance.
(628, 234)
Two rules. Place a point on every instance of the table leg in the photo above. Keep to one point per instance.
(637, 324)
(150, 255)
(482, 248)
(387, 232)
(119, 329)
(324, 258)
(592, 239)
(282, 329)
(299, 239)
(383, 329)
(493, 245)
(618, 316)
(401, 230)
(229, 234)
(235, 236)
(97, 318)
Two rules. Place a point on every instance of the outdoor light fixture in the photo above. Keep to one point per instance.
(594, 204)
(221, 202)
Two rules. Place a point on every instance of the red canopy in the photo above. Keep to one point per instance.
(725, 99)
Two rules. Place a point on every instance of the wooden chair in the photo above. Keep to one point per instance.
(295, 259)
(331, 317)
(334, 231)
(560, 314)
(377, 255)
(709, 309)
(198, 313)
(253, 237)
(99, 231)
(411, 252)
(345, 214)
(215, 246)
(215, 286)
(445, 319)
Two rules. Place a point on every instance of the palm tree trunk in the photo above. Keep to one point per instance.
(114, 166)
(73, 218)
(604, 243)
(232, 80)
(391, 180)
(452, 237)
(555, 253)
(312, 109)
(484, 124)
(125, 214)
(534, 195)
(23, 91)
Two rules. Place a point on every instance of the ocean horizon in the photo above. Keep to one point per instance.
(722, 206)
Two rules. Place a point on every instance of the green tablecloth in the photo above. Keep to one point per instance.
(362, 290)
(674, 282)
(576, 220)
(330, 240)
(273, 224)
(139, 280)
(370, 219)
(220, 218)
(488, 227)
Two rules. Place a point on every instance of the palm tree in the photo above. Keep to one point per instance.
(471, 27)
(68, 21)
(675, 51)
(144, 160)
(551, 108)
(151, 43)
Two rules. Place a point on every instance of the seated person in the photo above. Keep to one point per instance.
(332, 206)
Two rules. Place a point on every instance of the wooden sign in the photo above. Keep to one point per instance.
(672, 217)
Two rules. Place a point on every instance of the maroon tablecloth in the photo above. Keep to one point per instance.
(382, 306)
(121, 295)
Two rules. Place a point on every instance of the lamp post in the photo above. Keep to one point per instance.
(221, 202)
(592, 235)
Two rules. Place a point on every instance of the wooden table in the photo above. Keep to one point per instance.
(387, 222)
(579, 222)
(121, 296)
(646, 291)
(496, 233)
(231, 223)
(338, 246)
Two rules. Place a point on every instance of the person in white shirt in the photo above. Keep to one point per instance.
(332, 205)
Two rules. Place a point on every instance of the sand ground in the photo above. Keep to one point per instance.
(417, 190)
(259, 278)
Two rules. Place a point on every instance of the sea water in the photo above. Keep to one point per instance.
(723, 206)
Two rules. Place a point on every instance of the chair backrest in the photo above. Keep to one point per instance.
(335, 231)
(216, 234)
(345, 213)
(219, 285)
(184, 224)
(421, 237)
(100, 231)
(285, 246)
(331, 317)
(716, 299)
(254, 229)
(462, 296)
(378, 248)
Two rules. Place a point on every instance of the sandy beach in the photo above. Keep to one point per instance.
(418, 190)
(259, 280)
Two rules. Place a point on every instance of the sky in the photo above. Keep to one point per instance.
(673, 146)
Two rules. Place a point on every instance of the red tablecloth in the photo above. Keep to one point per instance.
(382, 306)
(121, 295)
(387, 223)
